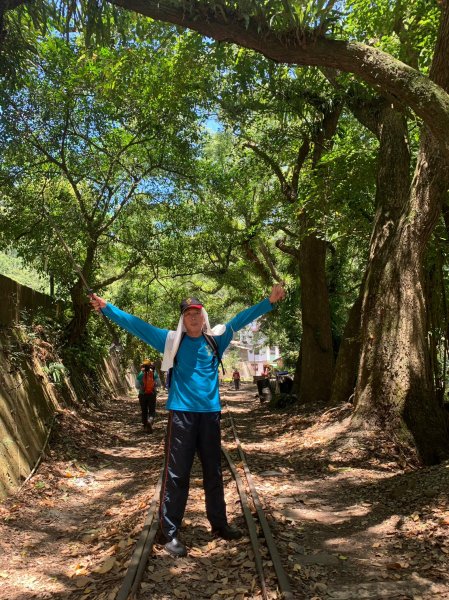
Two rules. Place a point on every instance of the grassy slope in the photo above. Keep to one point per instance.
(12, 267)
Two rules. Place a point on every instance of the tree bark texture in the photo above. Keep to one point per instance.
(315, 366)
(316, 361)
(436, 318)
(348, 357)
(77, 326)
(392, 194)
(395, 379)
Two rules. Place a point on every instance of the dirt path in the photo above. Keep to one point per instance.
(83, 508)
(356, 525)
(350, 523)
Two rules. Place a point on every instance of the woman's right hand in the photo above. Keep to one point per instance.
(97, 302)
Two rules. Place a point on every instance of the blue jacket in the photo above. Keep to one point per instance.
(194, 385)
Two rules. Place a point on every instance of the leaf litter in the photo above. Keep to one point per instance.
(350, 517)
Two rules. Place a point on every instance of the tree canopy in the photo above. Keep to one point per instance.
(174, 163)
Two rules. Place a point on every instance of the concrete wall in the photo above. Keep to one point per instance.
(27, 405)
(28, 399)
(15, 299)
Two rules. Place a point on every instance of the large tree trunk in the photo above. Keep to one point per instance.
(315, 366)
(392, 194)
(348, 357)
(76, 329)
(395, 387)
(436, 317)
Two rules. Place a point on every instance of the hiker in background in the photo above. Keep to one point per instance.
(192, 353)
(147, 384)
(263, 381)
(236, 378)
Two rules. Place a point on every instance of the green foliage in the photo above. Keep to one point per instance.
(87, 359)
(283, 327)
(276, 108)
(13, 267)
(103, 123)
(56, 371)
(230, 361)
(101, 140)
(406, 30)
(278, 15)
(20, 33)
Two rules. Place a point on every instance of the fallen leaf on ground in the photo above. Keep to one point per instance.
(108, 564)
(83, 581)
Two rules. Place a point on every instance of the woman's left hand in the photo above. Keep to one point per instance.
(277, 293)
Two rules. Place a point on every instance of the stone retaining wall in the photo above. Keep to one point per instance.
(28, 398)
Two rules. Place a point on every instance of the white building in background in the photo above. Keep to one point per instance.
(254, 351)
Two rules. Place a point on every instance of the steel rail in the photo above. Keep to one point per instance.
(250, 523)
(139, 559)
(284, 583)
(142, 549)
(144, 545)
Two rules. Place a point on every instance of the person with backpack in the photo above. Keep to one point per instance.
(192, 354)
(236, 378)
(146, 384)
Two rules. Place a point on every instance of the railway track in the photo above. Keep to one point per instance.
(272, 579)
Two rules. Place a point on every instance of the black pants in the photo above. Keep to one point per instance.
(262, 383)
(189, 433)
(237, 384)
(147, 406)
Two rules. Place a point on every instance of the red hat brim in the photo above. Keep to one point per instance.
(192, 306)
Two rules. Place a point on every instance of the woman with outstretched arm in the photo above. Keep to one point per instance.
(192, 353)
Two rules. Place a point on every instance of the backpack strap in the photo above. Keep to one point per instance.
(212, 342)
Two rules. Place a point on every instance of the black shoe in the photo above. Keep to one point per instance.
(227, 533)
(175, 547)
(149, 426)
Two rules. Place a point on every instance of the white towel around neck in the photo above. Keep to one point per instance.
(174, 338)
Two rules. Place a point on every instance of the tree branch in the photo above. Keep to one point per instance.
(131, 265)
(289, 232)
(302, 155)
(283, 247)
(266, 254)
(377, 68)
(261, 268)
(270, 162)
